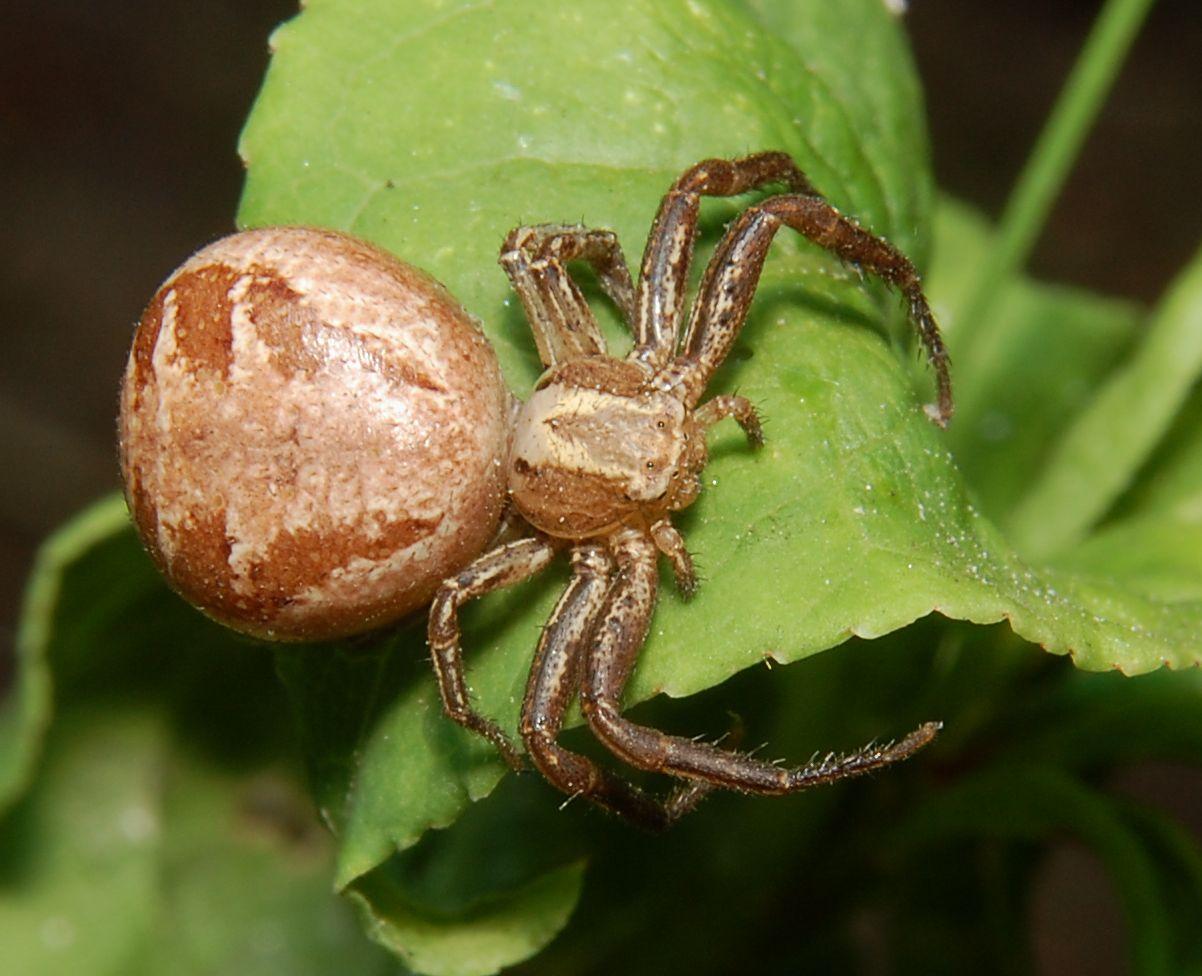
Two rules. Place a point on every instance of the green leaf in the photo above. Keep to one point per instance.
(434, 130)
(1022, 382)
(77, 879)
(486, 857)
(164, 828)
(1098, 458)
(487, 940)
(25, 712)
(130, 856)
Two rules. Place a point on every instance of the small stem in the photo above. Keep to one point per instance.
(1053, 156)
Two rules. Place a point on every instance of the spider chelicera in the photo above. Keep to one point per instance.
(605, 449)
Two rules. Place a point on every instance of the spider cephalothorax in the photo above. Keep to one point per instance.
(597, 445)
(605, 449)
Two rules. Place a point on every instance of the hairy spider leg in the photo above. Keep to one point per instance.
(728, 405)
(554, 681)
(573, 242)
(664, 273)
(503, 566)
(663, 533)
(619, 637)
(535, 259)
(730, 280)
(668, 541)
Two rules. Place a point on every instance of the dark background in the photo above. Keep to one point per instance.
(118, 123)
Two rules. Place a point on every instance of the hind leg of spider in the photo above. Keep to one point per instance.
(503, 566)
(619, 636)
(554, 679)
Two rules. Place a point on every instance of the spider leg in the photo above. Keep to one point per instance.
(536, 258)
(554, 679)
(619, 636)
(510, 528)
(664, 273)
(730, 280)
(572, 242)
(503, 566)
(726, 405)
(668, 541)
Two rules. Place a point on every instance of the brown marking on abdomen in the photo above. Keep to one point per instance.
(204, 338)
(301, 342)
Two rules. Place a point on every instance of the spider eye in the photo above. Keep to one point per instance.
(660, 424)
(650, 465)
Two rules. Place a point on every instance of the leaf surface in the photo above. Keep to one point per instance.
(1098, 458)
(164, 828)
(434, 129)
(1021, 384)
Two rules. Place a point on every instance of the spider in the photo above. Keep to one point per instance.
(605, 449)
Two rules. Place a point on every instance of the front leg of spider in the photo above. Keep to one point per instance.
(729, 283)
(535, 259)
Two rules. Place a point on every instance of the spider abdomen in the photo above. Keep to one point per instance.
(312, 434)
(596, 446)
